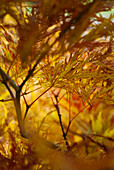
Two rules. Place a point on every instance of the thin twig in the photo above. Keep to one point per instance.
(28, 106)
(63, 95)
(5, 100)
(70, 121)
(8, 79)
(26, 93)
(60, 120)
(79, 112)
(68, 127)
(44, 119)
(8, 88)
(71, 131)
(69, 115)
(41, 95)
(101, 136)
(98, 143)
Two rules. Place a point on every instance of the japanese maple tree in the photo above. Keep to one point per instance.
(56, 82)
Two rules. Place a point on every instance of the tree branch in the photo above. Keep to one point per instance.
(8, 88)
(30, 72)
(24, 133)
(42, 55)
(5, 100)
(8, 79)
(60, 120)
(77, 18)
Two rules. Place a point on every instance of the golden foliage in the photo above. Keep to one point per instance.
(56, 85)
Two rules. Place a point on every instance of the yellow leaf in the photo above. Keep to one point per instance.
(97, 124)
(9, 20)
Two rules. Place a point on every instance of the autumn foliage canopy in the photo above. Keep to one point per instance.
(57, 84)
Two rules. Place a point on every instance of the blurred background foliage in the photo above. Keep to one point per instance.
(71, 45)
